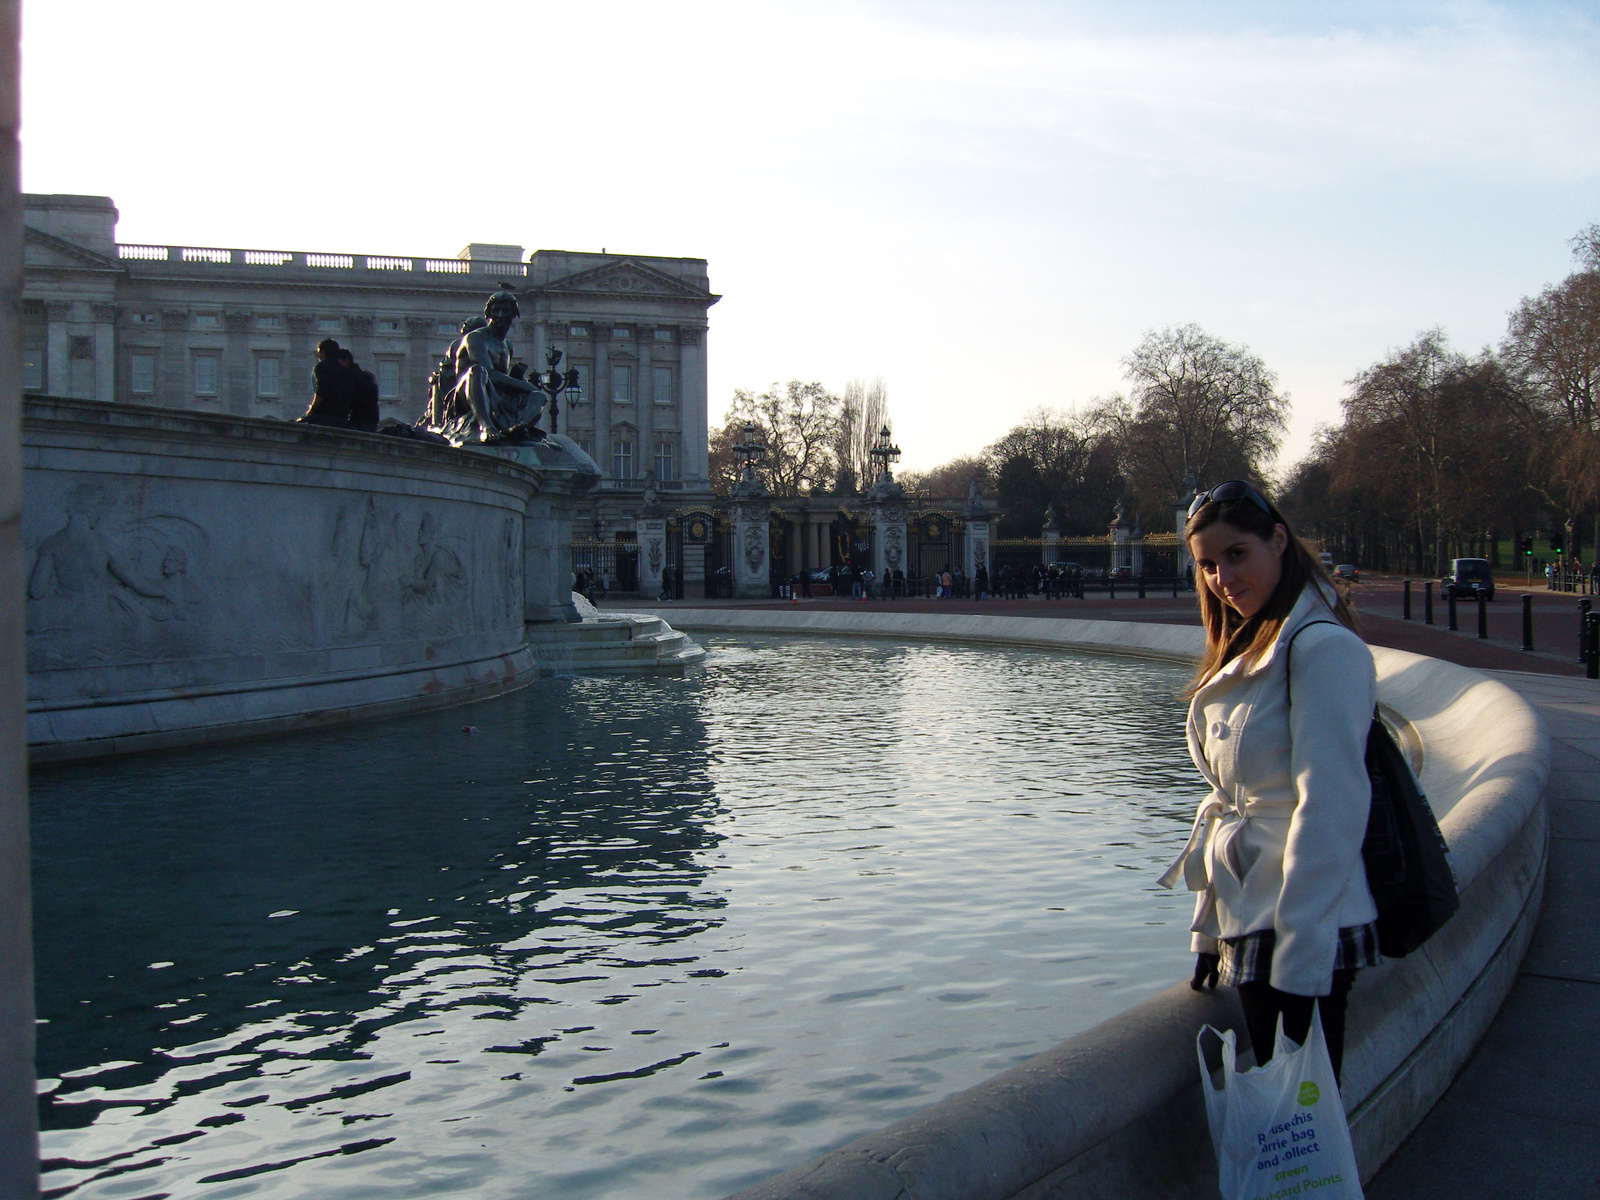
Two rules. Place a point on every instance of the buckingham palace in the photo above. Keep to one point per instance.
(234, 331)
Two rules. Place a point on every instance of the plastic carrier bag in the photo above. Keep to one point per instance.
(1279, 1130)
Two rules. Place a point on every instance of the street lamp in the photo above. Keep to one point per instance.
(884, 453)
(555, 382)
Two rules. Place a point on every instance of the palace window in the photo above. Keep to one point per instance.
(205, 374)
(142, 373)
(577, 331)
(663, 385)
(142, 318)
(663, 335)
(622, 458)
(665, 467)
(269, 321)
(329, 324)
(622, 385)
(388, 378)
(446, 328)
(268, 368)
(207, 321)
(388, 325)
(621, 331)
(586, 445)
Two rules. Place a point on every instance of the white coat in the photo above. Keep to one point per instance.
(1277, 843)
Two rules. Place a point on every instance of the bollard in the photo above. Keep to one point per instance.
(1174, 587)
(1450, 604)
(1591, 624)
(1427, 603)
(1583, 629)
(1405, 602)
(1141, 587)
(1483, 617)
(1111, 587)
(1527, 621)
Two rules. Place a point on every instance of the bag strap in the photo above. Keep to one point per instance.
(1288, 658)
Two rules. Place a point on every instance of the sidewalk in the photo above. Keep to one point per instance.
(1523, 1117)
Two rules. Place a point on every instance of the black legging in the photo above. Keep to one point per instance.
(1262, 1003)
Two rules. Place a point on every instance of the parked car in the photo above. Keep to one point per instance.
(1468, 577)
(1123, 572)
(1347, 571)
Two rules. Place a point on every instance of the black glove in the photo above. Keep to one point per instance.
(1205, 972)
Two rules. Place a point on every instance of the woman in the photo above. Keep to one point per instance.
(1284, 913)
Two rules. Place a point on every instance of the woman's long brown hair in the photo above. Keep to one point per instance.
(1230, 636)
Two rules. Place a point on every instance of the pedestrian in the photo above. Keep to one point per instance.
(363, 394)
(331, 389)
(980, 581)
(1279, 711)
(949, 585)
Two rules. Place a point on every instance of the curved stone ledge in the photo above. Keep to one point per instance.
(1117, 1111)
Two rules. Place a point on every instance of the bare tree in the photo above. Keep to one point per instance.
(863, 411)
(1196, 404)
(799, 425)
(948, 481)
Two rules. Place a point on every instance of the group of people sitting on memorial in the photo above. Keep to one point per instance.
(344, 396)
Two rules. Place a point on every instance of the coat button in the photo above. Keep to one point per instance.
(1219, 730)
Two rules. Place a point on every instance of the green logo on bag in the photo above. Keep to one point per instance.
(1310, 1093)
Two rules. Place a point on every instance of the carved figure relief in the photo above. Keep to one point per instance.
(98, 582)
(655, 556)
(436, 570)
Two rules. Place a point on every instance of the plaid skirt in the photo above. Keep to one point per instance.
(1248, 959)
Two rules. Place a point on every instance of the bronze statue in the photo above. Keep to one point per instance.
(478, 393)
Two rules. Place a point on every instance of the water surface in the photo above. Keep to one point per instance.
(624, 937)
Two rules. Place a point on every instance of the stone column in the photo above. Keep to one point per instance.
(547, 528)
(693, 418)
(58, 348)
(19, 1139)
(975, 545)
(236, 382)
(752, 551)
(419, 365)
(105, 351)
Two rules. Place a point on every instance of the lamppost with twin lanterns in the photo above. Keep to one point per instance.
(884, 454)
(554, 382)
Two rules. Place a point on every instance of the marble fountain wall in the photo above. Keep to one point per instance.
(194, 576)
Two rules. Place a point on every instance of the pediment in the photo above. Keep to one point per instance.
(627, 278)
(40, 249)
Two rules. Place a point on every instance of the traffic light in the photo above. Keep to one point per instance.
(1527, 545)
(1558, 542)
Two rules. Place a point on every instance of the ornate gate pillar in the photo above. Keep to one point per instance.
(651, 528)
(886, 504)
(975, 548)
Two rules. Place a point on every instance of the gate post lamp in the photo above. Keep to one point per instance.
(750, 452)
(555, 382)
(884, 453)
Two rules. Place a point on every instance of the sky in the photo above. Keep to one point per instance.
(986, 203)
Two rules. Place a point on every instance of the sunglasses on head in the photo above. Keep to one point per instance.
(1227, 493)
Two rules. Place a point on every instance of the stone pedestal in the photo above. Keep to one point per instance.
(650, 527)
(752, 549)
(1121, 531)
(1050, 538)
(569, 474)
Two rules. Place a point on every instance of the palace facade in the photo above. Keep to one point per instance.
(234, 331)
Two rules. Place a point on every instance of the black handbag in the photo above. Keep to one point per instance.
(1408, 869)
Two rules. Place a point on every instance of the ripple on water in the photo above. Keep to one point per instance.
(630, 935)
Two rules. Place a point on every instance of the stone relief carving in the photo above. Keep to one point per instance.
(755, 548)
(894, 545)
(298, 322)
(174, 318)
(436, 574)
(237, 322)
(99, 582)
(418, 327)
(360, 326)
(655, 556)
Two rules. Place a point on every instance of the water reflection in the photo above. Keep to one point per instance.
(625, 935)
